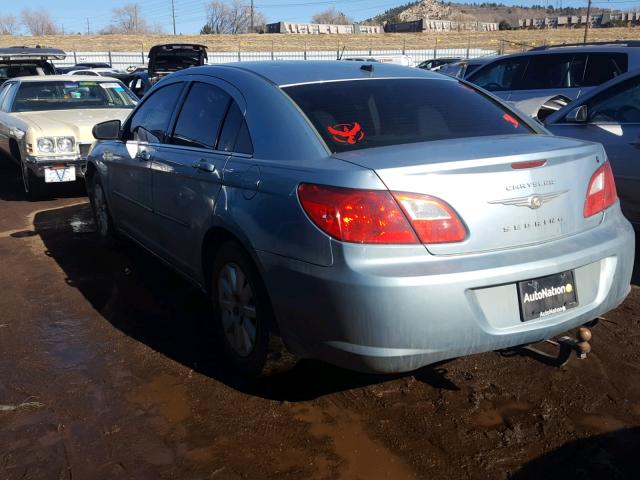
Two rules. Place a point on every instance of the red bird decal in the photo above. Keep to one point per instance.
(347, 133)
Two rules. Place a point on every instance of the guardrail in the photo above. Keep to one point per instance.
(122, 60)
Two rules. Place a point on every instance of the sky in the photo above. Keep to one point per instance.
(190, 14)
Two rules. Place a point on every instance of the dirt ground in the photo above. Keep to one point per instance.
(512, 40)
(105, 374)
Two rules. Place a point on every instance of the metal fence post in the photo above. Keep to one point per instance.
(110, 62)
(404, 46)
(305, 50)
(75, 59)
(435, 49)
(239, 57)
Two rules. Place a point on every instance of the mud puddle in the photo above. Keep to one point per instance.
(364, 457)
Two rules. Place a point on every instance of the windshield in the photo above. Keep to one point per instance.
(68, 95)
(355, 114)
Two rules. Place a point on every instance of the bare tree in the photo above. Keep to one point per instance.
(233, 17)
(39, 22)
(128, 20)
(9, 25)
(331, 16)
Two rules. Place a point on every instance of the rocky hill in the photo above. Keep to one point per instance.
(487, 12)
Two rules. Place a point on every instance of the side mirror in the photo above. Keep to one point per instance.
(577, 115)
(109, 130)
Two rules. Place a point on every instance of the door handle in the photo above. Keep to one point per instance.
(205, 166)
(143, 155)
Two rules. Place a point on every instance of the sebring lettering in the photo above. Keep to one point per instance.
(529, 225)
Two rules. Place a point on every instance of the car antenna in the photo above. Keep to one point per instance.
(367, 68)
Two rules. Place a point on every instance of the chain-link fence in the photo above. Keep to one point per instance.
(123, 60)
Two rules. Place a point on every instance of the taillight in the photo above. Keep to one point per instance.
(601, 193)
(359, 216)
(433, 219)
(376, 216)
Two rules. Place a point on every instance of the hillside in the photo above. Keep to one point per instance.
(514, 40)
(486, 12)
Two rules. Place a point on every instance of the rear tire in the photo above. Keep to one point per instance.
(101, 214)
(242, 311)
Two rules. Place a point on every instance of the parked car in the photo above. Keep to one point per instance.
(137, 81)
(24, 61)
(96, 72)
(436, 64)
(46, 122)
(530, 79)
(83, 66)
(404, 60)
(377, 219)
(465, 67)
(610, 114)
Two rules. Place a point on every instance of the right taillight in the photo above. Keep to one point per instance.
(378, 216)
(601, 193)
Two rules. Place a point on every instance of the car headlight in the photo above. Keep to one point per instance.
(65, 144)
(46, 145)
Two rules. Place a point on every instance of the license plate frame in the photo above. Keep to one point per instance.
(545, 296)
(59, 175)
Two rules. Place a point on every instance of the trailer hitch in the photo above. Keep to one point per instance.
(564, 346)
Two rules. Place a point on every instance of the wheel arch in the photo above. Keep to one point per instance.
(213, 239)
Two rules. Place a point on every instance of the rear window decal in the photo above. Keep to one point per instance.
(511, 120)
(347, 133)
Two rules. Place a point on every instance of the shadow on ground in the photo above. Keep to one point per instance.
(146, 300)
(606, 456)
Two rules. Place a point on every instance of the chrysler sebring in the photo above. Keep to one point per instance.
(373, 216)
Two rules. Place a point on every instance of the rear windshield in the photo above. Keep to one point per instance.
(67, 95)
(351, 115)
(24, 68)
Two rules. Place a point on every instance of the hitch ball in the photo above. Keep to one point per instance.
(583, 347)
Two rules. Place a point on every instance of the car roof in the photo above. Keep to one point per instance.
(15, 53)
(67, 78)
(560, 49)
(283, 73)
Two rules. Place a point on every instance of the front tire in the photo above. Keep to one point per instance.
(101, 213)
(34, 187)
(242, 310)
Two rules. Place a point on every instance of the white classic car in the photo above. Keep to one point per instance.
(46, 123)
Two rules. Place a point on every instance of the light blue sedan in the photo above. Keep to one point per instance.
(373, 216)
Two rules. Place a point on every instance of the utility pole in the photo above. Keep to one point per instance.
(173, 15)
(88, 29)
(586, 25)
(251, 24)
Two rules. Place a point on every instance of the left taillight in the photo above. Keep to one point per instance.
(601, 193)
(377, 216)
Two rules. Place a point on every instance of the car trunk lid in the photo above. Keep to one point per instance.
(502, 206)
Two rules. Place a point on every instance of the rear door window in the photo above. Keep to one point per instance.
(357, 114)
(201, 116)
(602, 67)
(500, 76)
(545, 72)
(235, 134)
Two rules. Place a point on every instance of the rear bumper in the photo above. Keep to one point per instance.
(399, 313)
